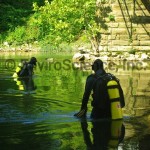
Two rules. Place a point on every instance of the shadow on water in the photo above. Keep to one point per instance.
(37, 113)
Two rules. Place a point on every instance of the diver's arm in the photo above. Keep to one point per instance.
(87, 92)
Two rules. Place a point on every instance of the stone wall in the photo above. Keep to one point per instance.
(136, 91)
(130, 29)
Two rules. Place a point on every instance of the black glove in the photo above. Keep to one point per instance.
(81, 113)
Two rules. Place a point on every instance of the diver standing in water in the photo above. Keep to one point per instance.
(108, 97)
(25, 69)
(23, 75)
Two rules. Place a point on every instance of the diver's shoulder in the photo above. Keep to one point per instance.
(91, 76)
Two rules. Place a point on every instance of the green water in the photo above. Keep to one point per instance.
(37, 113)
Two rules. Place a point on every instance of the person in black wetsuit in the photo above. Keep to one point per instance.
(100, 103)
(27, 69)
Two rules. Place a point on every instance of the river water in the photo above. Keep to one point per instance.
(37, 113)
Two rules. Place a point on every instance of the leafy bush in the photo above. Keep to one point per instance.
(17, 36)
(56, 22)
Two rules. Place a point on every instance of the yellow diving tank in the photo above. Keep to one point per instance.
(18, 69)
(113, 92)
(15, 75)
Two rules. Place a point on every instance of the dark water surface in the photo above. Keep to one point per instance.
(37, 113)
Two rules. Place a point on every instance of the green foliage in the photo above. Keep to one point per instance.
(10, 17)
(66, 21)
(15, 13)
(60, 21)
(111, 17)
(24, 4)
(17, 36)
(132, 51)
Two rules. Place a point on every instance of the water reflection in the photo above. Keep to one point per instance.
(26, 84)
(105, 134)
(44, 120)
(23, 137)
(144, 143)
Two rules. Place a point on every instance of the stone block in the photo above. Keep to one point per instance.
(142, 13)
(117, 12)
(124, 25)
(106, 32)
(117, 36)
(134, 37)
(121, 19)
(146, 25)
(124, 37)
(104, 42)
(112, 37)
(115, 7)
(124, 48)
(141, 8)
(113, 25)
(110, 42)
(139, 25)
(120, 31)
(113, 48)
(105, 48)
(104, 37)
(135, 43)
(143, 37)
(138, 48)
(129, 2)
(142, 30)
(138, 2)
(143, 48)
(135, 25)
(145, 43)
(114, 2)
(120, 42)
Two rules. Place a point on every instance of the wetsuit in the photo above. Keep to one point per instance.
(27, 70)
(100, 103)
